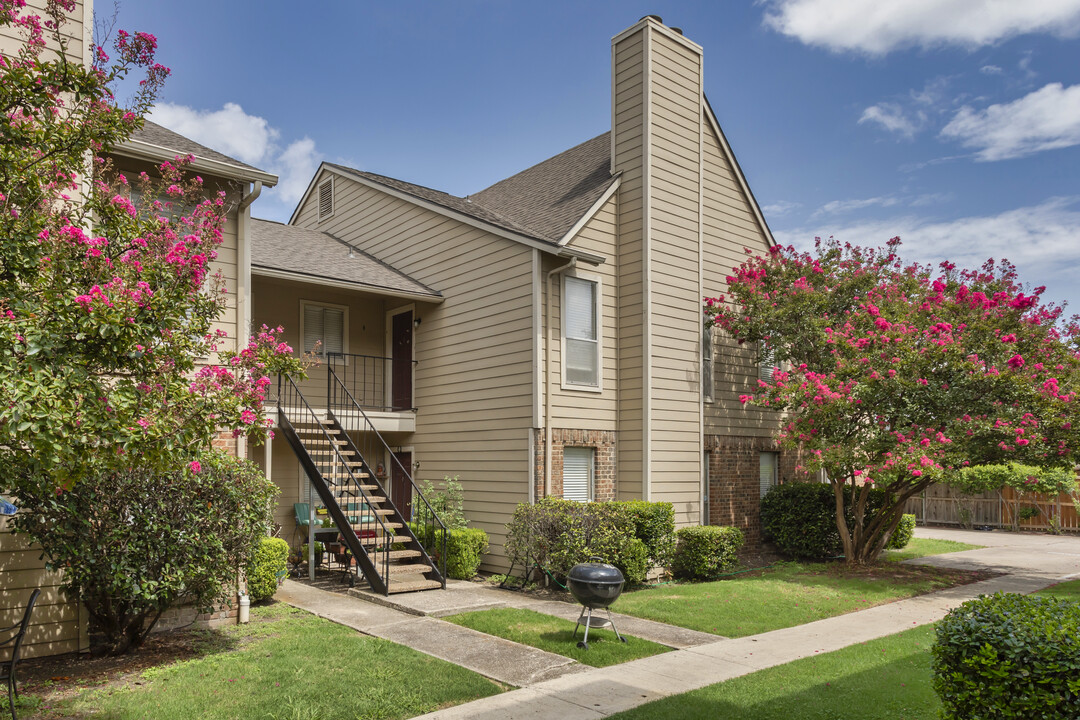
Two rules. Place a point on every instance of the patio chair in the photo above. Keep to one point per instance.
(7, 667)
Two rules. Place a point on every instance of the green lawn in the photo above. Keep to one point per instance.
(555, 635)
(289, 665)
(1066, 591)
(921, 547)
(784, 596)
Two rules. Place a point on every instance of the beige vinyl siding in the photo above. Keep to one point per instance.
(226, 264)
(57, 625)
(585, 409)
(74, 32)
(674, 146)
(730, 226)
(628, 134)
(474, 372)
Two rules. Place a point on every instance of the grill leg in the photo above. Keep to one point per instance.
(612, 621)
(583, 609)
(584, 643)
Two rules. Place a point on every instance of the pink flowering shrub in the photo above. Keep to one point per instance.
(898, 375)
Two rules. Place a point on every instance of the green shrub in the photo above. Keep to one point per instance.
(464, 549)
(447, 501)
(903, 533)
(800, 518)
(267, 566)
(706, 552)
(1007, 656)
(557, 534)
(654, 525)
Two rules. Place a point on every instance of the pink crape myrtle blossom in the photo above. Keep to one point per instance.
(903, 373)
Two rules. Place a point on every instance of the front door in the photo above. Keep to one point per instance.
(401, 356)
(400, 487)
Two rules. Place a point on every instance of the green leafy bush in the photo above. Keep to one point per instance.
(266, 567)
(903, 533)
(1007, 656)
(706, 552)
(800, 518)
(465, 547)
(1026, 478)
(654, 525)
(447, 501)
(558, 534)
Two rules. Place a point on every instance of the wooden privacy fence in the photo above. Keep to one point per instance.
(1006, 508)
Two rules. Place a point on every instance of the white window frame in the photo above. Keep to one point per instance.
(708, 369)
(775, 480)
(767, 364)
(344, 326)
(318, 198)
(598, 309)
(591, 481)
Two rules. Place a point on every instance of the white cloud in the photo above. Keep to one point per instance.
(991, 70)
(1046, 119)
(893, 118)
(782, 207)
(881, 26)
(1040, 239)
(837, 207)
(250, 139)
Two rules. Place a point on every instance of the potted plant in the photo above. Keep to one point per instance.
(319, 549)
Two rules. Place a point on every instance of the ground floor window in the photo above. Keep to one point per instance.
(578, 473)
(770, 464)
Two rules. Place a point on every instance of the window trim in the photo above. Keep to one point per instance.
(344, 325)
(318, 198)
(775, 470)
(708, 366)
(598, 310)
(590, 483)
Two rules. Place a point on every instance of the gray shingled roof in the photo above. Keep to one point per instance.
(155, 134)
(550, 197)
(301, 251)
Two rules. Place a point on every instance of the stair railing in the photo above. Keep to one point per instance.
(292, 404)
(425, 527)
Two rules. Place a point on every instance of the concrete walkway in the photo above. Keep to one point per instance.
(1031, 561)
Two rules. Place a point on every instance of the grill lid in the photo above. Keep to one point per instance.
(596, 572)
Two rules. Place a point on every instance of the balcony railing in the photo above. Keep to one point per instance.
(368, 379)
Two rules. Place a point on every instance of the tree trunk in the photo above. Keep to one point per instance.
(864, 543)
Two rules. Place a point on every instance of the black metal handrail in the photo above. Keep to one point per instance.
(342, 406)
(290, 397)
(368, 377)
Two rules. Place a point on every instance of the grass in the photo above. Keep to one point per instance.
(922, 547)
(1066, 591)
(884, 679)
(555, 635)
(784, 596)
(289, 665)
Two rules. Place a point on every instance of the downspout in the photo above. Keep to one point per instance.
(547, 373)
(243, 279)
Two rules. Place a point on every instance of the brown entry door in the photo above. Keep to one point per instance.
(401, 361)
(400, 487)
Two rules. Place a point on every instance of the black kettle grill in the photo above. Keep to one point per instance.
(595, 585)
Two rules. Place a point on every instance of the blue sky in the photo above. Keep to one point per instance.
(952, 123)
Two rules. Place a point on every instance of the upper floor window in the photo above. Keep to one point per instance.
(766, 363)
(326, 198)
(707, 365)
(323, 325)
(581, 332)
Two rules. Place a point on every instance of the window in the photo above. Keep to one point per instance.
(770, 463)
(706, 365)
(581, 336)
(577, 474)
(766, 363)
(325, 323)
(326, 198)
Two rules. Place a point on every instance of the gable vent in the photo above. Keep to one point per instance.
(326, 198)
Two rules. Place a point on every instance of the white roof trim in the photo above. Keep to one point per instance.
(572, 232)
(738, 173)
(141, 150)
(297, 276)
(433, 207)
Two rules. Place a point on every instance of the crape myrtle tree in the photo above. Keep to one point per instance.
(107, 301)
(898, 375)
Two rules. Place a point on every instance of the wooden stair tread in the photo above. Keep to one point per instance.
(413, 586)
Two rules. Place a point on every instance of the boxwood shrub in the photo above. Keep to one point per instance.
(1007, 656)
(706, 552)
(800, 518)
(267, 567)
(903, 533)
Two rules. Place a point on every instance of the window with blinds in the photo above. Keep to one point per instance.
(577, 481)
(707, 365)
(767, 363)
(326, 198)
(770, 463)
(581, 333)
(324, 323)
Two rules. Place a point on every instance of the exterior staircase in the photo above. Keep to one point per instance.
(387, 552)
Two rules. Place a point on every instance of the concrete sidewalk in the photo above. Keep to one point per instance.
(1031, 561)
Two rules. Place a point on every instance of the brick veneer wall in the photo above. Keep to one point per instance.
(603, 441)
(734, 477)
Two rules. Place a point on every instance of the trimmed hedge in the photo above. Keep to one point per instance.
(800, 518)
(1007, 656)
(903, 533)
(464, 549)
(267, 567)
(706, 552)
(558, 534)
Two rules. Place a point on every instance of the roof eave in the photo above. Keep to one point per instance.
(278, 274)
(142, 150)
